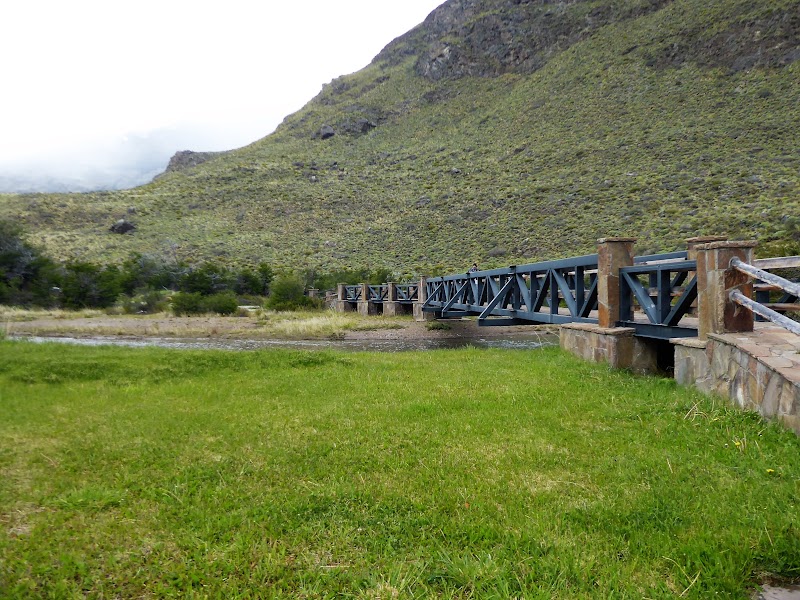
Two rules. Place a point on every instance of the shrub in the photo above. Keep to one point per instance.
(146, 301)
(187, 303)
(207, 279)
(26, 275)
(141, 271)
(88, 286)
(288, 293)
(194, 303)
(224, 303)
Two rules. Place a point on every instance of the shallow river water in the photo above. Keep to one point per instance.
(517, 342)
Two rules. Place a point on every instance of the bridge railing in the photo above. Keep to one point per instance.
(404, 293)
(407, 292)
(559, 291)
(774, 296)
(665, 291)
(378, 293)
(652, 294)
(353, 293)
(790, 289)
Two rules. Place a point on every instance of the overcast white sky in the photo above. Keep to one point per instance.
(84, 74)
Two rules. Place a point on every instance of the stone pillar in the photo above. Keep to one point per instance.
(715, 279)
(693, 243)
(422, 296)
(612, 255)
(422, 292)
(691, 254)
(313, 293)
(391, 307)
(365, 307)
(341, 294)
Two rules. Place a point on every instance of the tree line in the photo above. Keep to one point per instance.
(149, 283)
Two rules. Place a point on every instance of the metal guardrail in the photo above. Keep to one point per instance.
(791, 290)
(352, 293)
(560, 291)
(565, 291)
(407, 293)
(665, 293)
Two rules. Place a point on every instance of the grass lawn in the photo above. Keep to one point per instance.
(454, 474)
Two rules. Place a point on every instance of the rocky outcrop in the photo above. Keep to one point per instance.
(186, 159)
(486, 38)
(771, 41)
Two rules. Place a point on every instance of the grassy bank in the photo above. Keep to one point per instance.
(154, 473)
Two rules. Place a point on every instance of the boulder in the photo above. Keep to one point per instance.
(122, 226)
(326, 131)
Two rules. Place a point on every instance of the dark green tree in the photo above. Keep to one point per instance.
(26, 275)
(89, 286)
(207, 279)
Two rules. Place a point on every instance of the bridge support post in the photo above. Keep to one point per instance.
(715, 280)
(341, 299)
(365, 307)
(422, 296)
(691, 254)
(612, 255)
(391, 307)
(605, 342)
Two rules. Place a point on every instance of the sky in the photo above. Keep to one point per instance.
(92, 85)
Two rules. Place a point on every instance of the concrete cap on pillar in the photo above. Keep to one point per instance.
(728, 244)
(606, 240)
(706, 239)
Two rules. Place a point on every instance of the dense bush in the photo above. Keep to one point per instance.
(26, 275)
(148, 302)
(86, 285)
(207, 279)
(195, 303)
(145, 272)
(187, 303)
(288, 293)
(224, 303)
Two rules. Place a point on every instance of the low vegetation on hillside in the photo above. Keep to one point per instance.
(460, 143)
(453, 474)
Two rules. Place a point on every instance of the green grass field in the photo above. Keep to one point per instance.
(138, 473)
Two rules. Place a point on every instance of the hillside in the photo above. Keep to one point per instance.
(498, 131)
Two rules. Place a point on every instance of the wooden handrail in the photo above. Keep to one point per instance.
(780, 262)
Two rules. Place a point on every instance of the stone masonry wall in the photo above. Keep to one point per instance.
(616, 346)
(753, 372)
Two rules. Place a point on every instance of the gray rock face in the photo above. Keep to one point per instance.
(186, 159)
(488, 38)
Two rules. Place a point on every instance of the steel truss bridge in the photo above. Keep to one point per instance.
(657, 294)
(565, 291)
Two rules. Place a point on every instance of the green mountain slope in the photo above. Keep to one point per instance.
(499, 131)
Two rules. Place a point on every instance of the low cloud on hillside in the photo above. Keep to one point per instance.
(112, 164)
